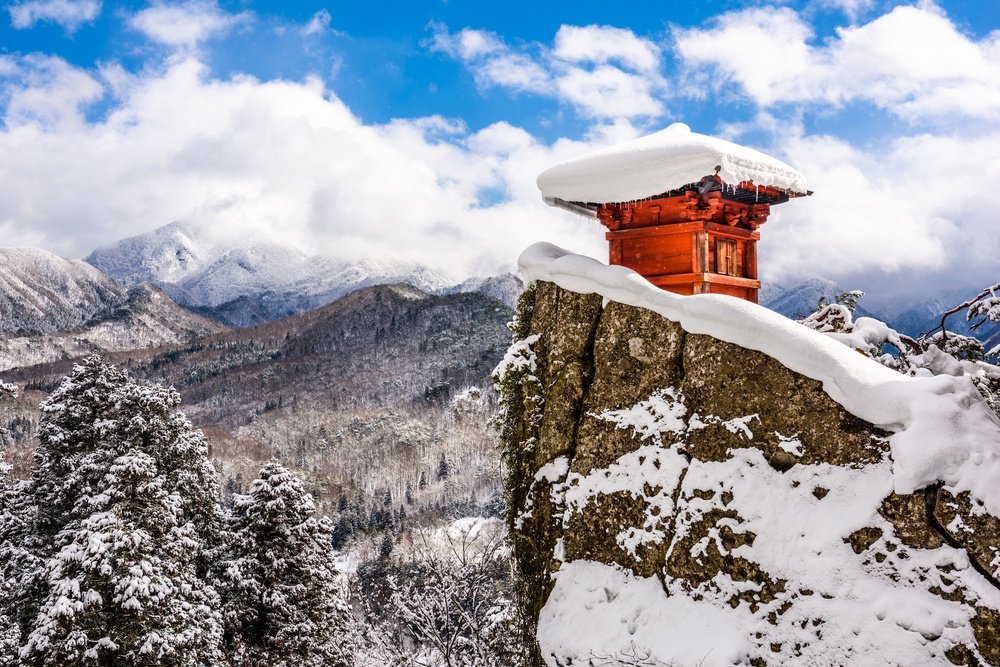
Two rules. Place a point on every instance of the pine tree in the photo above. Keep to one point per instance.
(283, 600)
(77, 495)
(123, 588)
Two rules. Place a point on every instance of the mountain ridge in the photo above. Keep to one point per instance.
(253, 281)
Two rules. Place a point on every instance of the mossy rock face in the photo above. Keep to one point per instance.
(910, 517)
(717, 402)
(565, 322)
(731, 382)
(693, 567)
(970, 526)
(593, 534)
(863, 538)
(636, 353)
(986, 626)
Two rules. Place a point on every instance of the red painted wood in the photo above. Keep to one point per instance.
(674, 241)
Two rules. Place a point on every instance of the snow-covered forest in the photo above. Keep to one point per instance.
(118, 549)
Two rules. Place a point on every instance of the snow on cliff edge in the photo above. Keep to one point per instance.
(942, 428)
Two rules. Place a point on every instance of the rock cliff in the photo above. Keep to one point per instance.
(678, 499)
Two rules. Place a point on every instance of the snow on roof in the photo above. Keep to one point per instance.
(659, 162)
(942, 428)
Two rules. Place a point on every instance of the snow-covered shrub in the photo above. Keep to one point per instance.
(936, 353)
(446, 600)
(6, 388)
(983, 308)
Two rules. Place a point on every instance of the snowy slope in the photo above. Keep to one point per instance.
(800, 299)
(41, 293)
(255, 280)
(148, 318)
(910, 314)
(505, 287)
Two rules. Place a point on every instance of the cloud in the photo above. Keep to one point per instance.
(912, 62)
(70, 14)
(318, 24)
(604, 44)
(851, 8)
(46, 93)
(603, 72)
(290, 158)
(920, 205)
(186, 24)
(492, 62)
(239, 154)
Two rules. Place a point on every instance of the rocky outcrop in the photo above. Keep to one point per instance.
(641, 454)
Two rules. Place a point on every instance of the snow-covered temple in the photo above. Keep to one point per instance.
(682, 209)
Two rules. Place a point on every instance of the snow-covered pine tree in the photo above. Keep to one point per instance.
(123, 588)
(96, 416)
(283, 600)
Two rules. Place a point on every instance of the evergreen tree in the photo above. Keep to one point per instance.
(123, 588)
(94, 426)
(284, 604)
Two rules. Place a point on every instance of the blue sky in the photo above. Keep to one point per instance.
(417, 129)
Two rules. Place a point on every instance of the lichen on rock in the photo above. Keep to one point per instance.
(694, 483)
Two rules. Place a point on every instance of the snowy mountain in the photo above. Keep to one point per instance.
(799, 299)
(911, 314)
(147, 318)
(505, 287)
(254, 281)
(367, 393)
(42, 293)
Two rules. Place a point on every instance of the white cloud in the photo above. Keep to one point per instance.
(851, 8)
(70, 14)
(318, 24)
(922, 204)
(608, 92)
(912, 62)
(602, 71)
(604, 44)
(493, 63)
(467, 44)
(47, 93)
(290, 157)
(283, 156)
(186, 24)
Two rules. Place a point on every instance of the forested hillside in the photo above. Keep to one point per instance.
(383, 393)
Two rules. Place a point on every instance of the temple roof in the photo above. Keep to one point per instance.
(660, 162)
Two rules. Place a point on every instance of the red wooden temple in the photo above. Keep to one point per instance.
(699, 237)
